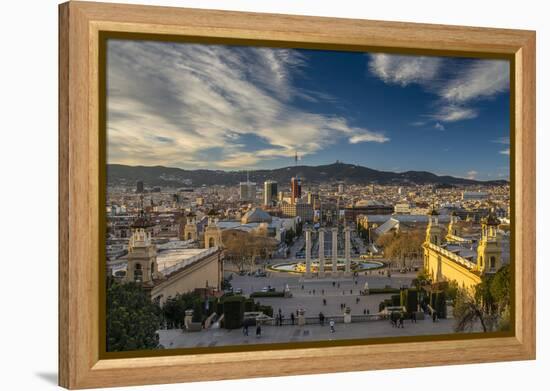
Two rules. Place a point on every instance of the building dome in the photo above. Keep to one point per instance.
(491, 219)
(256, 215)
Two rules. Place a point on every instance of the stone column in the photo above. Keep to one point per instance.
(308, 252)
(347, 249)
(301, 317)
(334, 251)
(321, 252)
(188, 319)
(347, 315)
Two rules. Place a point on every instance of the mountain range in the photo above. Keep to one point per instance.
(118, 174)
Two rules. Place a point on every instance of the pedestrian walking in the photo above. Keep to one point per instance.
(292, 318)
(413, 317)
(245, 329)
(258, 331)
(324, 301)
(401, 318)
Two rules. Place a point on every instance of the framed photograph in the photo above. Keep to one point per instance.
(327, 194)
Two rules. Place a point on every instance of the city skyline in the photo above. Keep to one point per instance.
(238, 108)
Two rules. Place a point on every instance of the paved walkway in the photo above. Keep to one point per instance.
(310, 297)
(276, 334)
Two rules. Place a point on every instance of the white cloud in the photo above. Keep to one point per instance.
(502, 140)
(438, 126)
(456, 89)
(505, 151)
(482, 79)
(368, 136)
(404, 70)
(471, 174)
(453, 113)
(194, 106)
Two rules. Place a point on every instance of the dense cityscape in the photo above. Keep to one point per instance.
(269, 249)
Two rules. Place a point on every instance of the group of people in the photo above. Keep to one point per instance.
(397, 319)
(258, 329)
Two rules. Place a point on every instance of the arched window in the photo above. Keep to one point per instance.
(152, 269)
(211, 242)
(188, 235)
(138, 273)
(493, 262)
(481, 261)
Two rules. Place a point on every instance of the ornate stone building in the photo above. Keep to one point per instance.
(450, 257)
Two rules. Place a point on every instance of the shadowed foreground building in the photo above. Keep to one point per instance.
(173, 269)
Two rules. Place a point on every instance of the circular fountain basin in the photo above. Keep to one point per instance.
(358, 265)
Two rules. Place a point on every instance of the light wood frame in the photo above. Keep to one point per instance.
(80, 365)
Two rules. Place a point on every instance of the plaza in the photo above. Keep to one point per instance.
(176, 338)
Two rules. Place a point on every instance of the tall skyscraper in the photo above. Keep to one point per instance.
(139, 187)
(247, 191)
(270, 192)
(295, 188)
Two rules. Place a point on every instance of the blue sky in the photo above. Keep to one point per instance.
(233, 108)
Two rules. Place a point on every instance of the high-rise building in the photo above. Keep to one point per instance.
(139, 187)
(247, 191)
(295, 188)
(270, 192)
(300, 209)
(341, 188)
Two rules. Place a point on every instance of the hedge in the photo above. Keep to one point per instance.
(374, 291)
(233, 310)
(267, 294)
(409, 299)
(439, 304)
(396, 300)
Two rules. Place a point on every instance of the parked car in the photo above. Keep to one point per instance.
(238, 291)
(265, 289)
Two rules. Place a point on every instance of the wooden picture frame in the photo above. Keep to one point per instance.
(80, 25)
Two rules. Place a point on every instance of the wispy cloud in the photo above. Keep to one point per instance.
(505, 152)
(471, 174)
(453, 113)
(438, 126)
(456, 88)
(192, 106)
(502, 140)
(404, 70)
(367, 136)
(482, 79)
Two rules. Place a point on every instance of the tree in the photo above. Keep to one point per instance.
(488, 303)
(244, 248)
(132, 319)
(402, 246)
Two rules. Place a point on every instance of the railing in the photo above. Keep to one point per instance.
(337, 319)
(210, 320)
(454, 257)
(189, 261)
